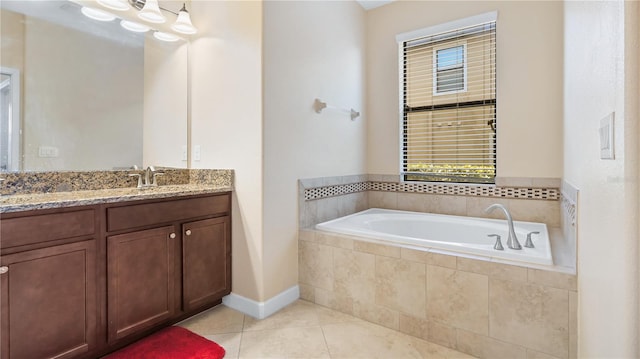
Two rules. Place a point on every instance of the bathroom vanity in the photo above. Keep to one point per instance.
(84, 280)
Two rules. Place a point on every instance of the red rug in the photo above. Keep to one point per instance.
(171, 343)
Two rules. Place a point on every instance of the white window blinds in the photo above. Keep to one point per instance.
(449, 105)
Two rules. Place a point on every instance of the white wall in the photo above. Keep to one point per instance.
(226, 120)
(601, 76)
(529, 81)
(312, 49)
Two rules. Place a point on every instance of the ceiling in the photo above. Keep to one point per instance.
(372, 4)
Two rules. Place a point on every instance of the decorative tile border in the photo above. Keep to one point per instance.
(433, 188)
(337, 190)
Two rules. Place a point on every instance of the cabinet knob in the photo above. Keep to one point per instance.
(4, 269)
(188, 232)
(172, 235)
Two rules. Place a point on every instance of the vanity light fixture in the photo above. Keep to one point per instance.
(183, 24)
(151, 12)
(134, 26)
(165, 36)
(97, 14)
(119, 5)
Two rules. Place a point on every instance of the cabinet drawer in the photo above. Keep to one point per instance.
(46, 227)
(141, 215)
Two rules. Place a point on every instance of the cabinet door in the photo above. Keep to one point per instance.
(140, 280)
(206, 261)
(48, 302)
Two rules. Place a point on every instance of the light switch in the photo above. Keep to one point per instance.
(607, 138)
(184, 153)
(196, 152)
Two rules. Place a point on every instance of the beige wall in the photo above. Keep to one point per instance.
(529, 76)
(12, 44)
(601, 76)
(312, 49)
(165, 103)
(54, 88)
(226, 120)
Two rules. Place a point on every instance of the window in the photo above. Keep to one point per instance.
(448, 97)
(449, 70)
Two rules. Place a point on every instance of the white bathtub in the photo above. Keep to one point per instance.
(450, 233)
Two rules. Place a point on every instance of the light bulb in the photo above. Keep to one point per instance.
(151, 12)
(165, 36)
(183, 23)
(119, 5)
(97, 14)
(134, 26)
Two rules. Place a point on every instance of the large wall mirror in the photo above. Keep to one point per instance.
(80, 94)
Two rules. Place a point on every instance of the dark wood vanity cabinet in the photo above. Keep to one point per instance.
(82, 282)
(48, 285)
(140, 280)
(206, 262)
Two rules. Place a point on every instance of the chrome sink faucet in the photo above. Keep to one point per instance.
(148, 173)
(150, 177)
(512, 240)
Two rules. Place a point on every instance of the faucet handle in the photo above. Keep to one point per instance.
(139, 178)
(529, 243)
(498, 246)
(155, 180)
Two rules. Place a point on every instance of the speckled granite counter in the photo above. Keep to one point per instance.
(97, 187)
(15, 203)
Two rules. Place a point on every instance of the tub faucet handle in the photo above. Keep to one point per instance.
(529, 243)
(498, 246)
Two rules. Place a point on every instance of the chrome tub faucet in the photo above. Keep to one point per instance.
(512, 240)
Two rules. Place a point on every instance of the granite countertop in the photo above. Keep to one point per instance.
(24, 202)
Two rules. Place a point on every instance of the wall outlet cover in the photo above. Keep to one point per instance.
(606, 137)
(48, 151)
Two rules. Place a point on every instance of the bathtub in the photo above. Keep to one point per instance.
(443, 232)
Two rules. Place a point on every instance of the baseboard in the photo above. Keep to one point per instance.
(261, 310)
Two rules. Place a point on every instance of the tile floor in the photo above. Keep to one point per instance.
(307, 330)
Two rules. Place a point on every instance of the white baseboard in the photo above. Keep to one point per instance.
(261, 310)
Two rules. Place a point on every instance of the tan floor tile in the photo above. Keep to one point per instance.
(366, 340)
(296, 315)
(435, 351)
(308, 330)
(363, 340)
(330, 316)
(230, 343)
(284, 343)
(218, 320)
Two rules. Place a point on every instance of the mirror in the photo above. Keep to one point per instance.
(80, 94)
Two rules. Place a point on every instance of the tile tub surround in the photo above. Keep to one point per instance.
(528, 199)
(67, 181)
(482, 308)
